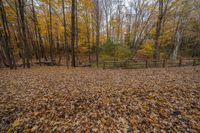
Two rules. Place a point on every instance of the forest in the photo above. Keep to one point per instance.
(88, 32)
(99, 66)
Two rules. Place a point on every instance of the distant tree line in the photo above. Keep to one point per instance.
(77, 32)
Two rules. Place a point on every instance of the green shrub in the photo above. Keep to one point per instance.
(113, 51)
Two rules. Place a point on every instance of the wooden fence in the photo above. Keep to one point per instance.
(133, 64)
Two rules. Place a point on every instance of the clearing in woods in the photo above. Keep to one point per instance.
(81, 99)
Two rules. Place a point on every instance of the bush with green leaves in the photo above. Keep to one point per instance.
(114, 51)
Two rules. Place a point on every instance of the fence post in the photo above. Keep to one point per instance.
(155, 62)
(125, 63)
(194, 62)
(114, 64)
(164, 63)
(146, 63)
(180, 62)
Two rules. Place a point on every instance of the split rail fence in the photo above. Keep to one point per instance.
(134, 64)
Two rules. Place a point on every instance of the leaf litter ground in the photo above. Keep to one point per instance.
(57, 99)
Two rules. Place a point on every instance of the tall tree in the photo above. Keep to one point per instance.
(73, 33)
(87, 22)
(26, 52)
(77, 32)
(141, 23)
(6, 36)
(38, 49)
(107, 7)
(181, 18)
(162, 10)
(51, 33)
(97, 19)
(65, 34)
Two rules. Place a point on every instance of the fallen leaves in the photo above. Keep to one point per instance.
(58, 99)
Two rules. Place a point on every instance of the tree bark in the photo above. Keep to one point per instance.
(97, 31)
(21, 7)
(36, 33)
(178, 38)
(51, 33)
(65, 34)
(158, 29)
(73, 33)
(105, 5)
(77, 32)
(5, 35)
(88, 37)
(177, 45)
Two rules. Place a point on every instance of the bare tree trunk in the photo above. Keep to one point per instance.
(65, 34)
(88, 37)
(36, 33)
(97, 31)
(6, 37)
(177, 45)
(93, 36)
(1, 58)
(73, 33)
(21, 6)
(30, 42)
(77, 32)
(43, 55)
(178, 37)
(158, 29)
(2, 51)
(181, 20)
(20, 40)
(51, 34)
(105, 6)
(89, 53)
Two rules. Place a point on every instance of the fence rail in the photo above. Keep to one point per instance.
(133, 64)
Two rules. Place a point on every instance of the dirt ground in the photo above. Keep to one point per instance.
(57, 99)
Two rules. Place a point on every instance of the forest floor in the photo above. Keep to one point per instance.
(58, 99)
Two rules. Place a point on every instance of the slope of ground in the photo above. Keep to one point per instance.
(58, 99)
